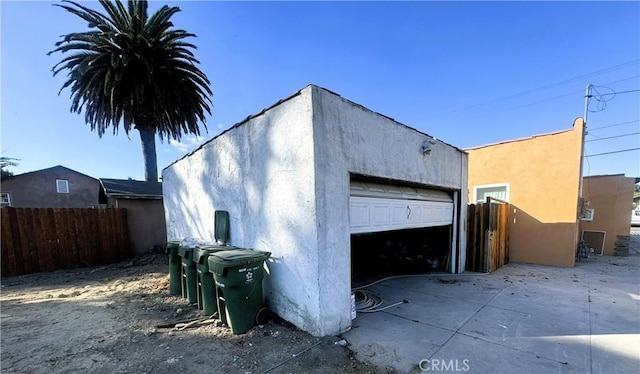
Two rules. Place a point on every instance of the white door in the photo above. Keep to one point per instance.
(377, 207)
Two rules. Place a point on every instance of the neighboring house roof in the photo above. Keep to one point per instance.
(604, 176)
(53, 168)
(126, 188)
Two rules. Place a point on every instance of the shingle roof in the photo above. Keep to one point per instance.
(131, 188)
(56, 168)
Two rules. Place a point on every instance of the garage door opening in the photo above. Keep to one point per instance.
(398, 229)
(402, 252)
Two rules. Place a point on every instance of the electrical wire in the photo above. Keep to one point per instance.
(600, 99)
(546, 87)
(612, 152)
(621, 92)
(614, 125)
(612, 137)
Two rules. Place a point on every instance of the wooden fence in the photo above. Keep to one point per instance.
(46, 239)
(488, 235)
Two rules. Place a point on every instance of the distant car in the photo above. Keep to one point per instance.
(635, 217)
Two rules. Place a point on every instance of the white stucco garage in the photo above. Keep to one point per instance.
(300, 178)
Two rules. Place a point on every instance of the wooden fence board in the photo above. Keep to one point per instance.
(488, 236)
(61, 234)
(53, 239)
(8, 260)
(46, 239)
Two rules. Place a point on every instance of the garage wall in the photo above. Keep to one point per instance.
(145, 220)
(261, 171)
(349, 138)
(611, 198)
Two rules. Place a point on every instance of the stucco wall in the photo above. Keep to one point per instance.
(352, 139)
(145, 219)
(543, 173)
(262, 173)
(38, 189)
(611, 197)
(284, 178)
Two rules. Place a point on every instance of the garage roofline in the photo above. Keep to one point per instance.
(297, 93)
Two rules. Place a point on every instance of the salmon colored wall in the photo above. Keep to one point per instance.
(611, 198)
(543, 173)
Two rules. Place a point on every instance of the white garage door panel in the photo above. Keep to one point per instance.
(359, 215)
(399, 212)
(372, 214)
(381, 216)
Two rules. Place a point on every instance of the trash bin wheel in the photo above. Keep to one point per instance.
(263, 316)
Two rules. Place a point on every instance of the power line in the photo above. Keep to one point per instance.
(614, 125)
(612, 152)
(618, 92)
(612, 137)
(549, 86)
(546, 100)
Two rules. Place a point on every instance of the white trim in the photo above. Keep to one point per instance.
(8, 203)
(505, 184)
(461, 255)
(62, 186)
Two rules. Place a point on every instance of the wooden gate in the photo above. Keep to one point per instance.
(488, 235)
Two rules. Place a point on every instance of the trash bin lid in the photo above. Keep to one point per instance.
(202, 252)
(219, 261)
(185, 251)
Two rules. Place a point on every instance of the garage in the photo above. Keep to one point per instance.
(334, 191)
(398, 229)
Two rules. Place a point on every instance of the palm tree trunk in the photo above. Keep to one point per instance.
(148, 138)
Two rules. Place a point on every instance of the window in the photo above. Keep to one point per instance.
(62, 186)
(5, 199)
(499, 191)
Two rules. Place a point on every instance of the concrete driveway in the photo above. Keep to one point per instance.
(519, 319)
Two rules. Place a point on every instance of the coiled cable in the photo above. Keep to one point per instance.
(367, 302)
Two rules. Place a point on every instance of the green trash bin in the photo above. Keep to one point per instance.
(238, 278)
(175, 283)
(206, 290)
(188, 273)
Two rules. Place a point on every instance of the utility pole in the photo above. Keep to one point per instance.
(581, 201)
(587, 96)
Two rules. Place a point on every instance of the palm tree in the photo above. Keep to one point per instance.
(136, 71)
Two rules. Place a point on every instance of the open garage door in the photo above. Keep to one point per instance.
(377, 207)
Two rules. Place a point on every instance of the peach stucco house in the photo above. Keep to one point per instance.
(540, 177)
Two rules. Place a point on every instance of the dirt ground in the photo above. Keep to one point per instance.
(105, 320)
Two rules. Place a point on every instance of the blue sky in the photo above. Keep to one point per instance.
(469, 73)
